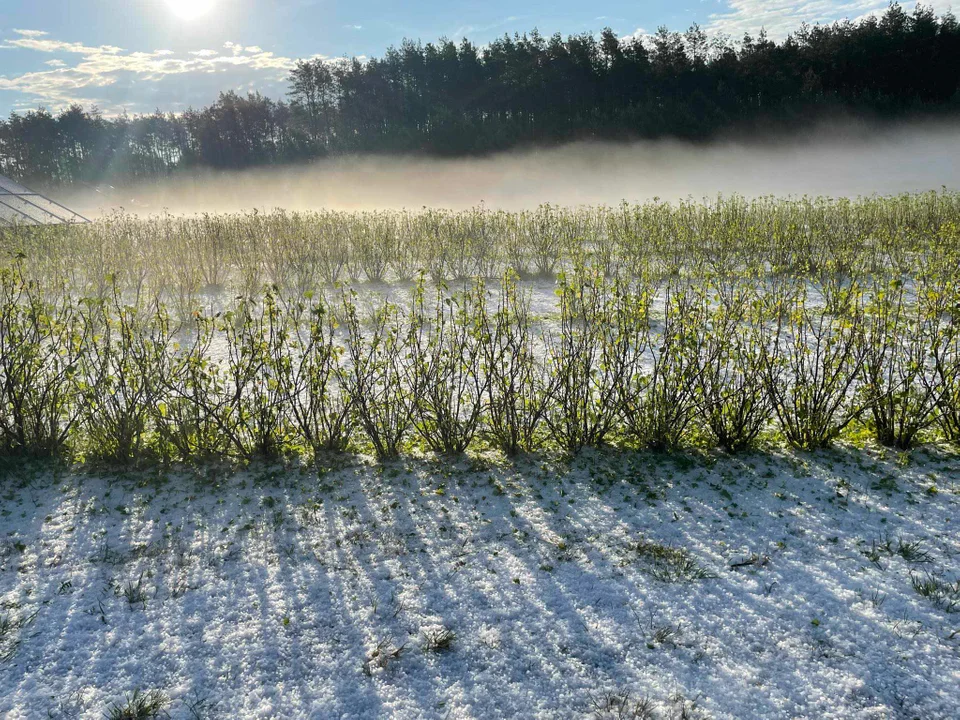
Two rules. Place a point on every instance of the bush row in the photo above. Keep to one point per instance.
(181, 258)
(628, 362)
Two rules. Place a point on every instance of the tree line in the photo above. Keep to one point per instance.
(452, 99)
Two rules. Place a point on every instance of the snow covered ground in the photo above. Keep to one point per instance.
(773, 585)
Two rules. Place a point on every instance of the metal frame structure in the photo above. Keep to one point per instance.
(20, 205)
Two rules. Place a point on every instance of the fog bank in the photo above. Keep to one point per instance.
(840, 159)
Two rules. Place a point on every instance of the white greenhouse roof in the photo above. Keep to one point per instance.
(20, 205)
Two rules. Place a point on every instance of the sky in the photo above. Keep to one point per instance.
(136, 56)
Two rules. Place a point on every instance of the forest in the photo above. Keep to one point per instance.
(453, 99)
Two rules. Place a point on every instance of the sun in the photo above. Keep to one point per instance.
(190, 9)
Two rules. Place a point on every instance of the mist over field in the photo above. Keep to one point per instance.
(842, 159)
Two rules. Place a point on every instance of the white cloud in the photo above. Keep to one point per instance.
(37, 40)
(116, 79)
(638, 34)
(781, 17)
(465, 30)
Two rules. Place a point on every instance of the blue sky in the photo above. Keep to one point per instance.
(138, 55)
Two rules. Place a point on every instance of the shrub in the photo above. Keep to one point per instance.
(318, 405)
(810, 365)
(378, 376)
(41, 345)
(733, 399)
(120, 373)
(597, 354)
(900, 388)
(447, 380)
(659, 405)
(517, 385)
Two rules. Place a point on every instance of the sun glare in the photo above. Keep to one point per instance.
(190, 9)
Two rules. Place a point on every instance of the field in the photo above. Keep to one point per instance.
(668, 461)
